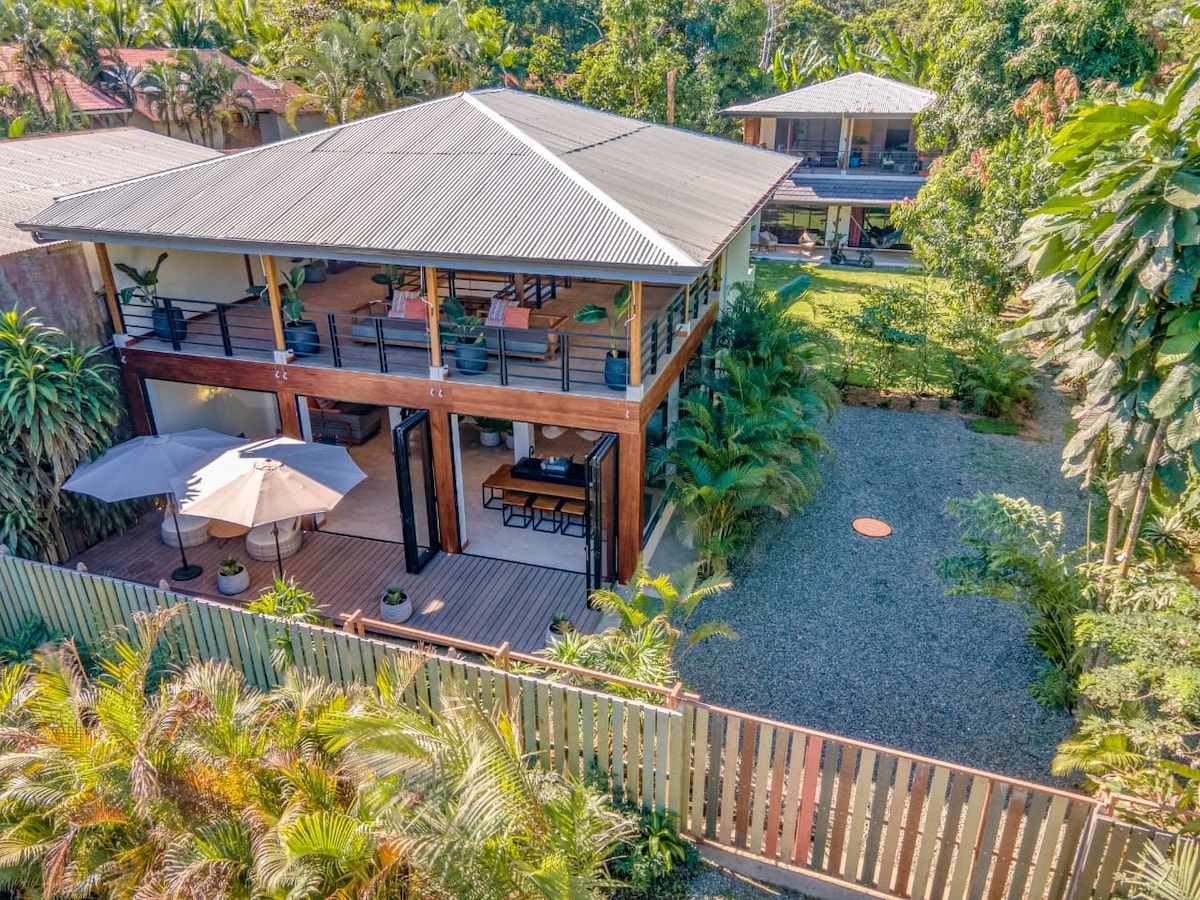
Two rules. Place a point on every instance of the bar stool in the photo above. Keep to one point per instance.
(515, 510)
(545, 514)
(571, 515)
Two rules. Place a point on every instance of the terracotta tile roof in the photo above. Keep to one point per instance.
(84, 98)
(268, 96)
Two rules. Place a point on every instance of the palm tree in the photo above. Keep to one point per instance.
(214, 95)
(167, 92)
(183, 23)
(342, 72)
(1160, 878)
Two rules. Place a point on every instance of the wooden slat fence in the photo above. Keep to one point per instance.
(897, 824)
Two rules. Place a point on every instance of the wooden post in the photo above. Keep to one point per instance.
(635, 333)
(110, 288)
(631, 484)
(433, 308)
(443, 479)
(271, 274)
(519, 287)
(671, 74)
(289, 415)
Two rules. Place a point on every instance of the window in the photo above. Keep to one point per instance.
(789, 223)
(878, 230)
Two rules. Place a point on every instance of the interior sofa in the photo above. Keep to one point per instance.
(345, 423)
(537, 341)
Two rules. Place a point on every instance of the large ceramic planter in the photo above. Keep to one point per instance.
(163, 321)
(552, 635)
(489, 438)
(233, 584)
(302, 338)
(471, 359)
(616, 370)
(395, 613)
(314, 272)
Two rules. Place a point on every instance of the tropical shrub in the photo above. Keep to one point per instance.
(995, 381)
(746, 439)
(893, 334)
(654, 631)
(286, 600)
(1161, 878)
(1015, 554)
(58, 407)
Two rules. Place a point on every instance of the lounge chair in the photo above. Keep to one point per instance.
(192, 531)
(260, 542)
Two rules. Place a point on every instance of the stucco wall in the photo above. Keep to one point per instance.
(55, 281)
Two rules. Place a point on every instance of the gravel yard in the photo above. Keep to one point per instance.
(854, 635)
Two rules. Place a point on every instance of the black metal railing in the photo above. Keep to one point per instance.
(822, 155)
(205, 326)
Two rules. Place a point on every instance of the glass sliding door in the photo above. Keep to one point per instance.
(414, 480)
(600, 518)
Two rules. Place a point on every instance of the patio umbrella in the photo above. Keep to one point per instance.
(147, 465)
(265, 482)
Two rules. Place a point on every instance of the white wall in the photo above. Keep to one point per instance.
(736, 265)
(831, 224)
(177, 406)
(767, 135)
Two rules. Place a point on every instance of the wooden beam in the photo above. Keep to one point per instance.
(631, 486)
(433, 308)
(110, 288)
(669, 374)
(635, 333)
(271, 274)
(442, 445)
(135, 398)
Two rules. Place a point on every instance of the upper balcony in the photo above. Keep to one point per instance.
(824, 156)
(352, 326)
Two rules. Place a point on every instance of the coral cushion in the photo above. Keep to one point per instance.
(516, 317)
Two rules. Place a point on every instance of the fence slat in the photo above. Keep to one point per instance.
(1013, 817)
(1115, 853)
(808, 800)
(1077, 821)
(883, 783)
(1049, 847)
(758, 812)
(895, 827)
(779, 761)
(931, 831)
(950, 835)
(845, 783)
(700, 744)
(741, 819)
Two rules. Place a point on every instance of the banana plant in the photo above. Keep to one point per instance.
(145, 283)
(618, 318)
(292, 305)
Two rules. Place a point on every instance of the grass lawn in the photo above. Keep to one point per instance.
(841, 289)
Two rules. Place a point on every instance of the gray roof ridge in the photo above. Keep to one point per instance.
(651, 235)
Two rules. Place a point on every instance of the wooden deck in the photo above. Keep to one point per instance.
(467, 597)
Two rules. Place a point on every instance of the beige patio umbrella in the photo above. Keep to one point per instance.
(266, 482)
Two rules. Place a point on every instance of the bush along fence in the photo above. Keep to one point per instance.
(894, 824)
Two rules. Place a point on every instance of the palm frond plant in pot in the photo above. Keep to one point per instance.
(616, 361)
(560, 625)
(392, 277)
(394, 605)
(470, 348)
(490, 430)
(145, 290)
(232, 577)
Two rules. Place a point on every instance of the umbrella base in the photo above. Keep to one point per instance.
(186, 573)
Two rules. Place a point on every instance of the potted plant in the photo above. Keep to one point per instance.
(145, 289)
(560, 624)
(232, 577)
(394, 605)
(470, 349)
(856, 154)
(616, 363)
(299, 335)
(490, 430)
(314, 271)
(392, 277)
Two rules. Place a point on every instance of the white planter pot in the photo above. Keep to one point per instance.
(509, 442)
(552, 635)
(233, 584)
(489, 438)
(396, 613)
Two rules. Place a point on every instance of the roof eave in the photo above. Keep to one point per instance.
(676, 274)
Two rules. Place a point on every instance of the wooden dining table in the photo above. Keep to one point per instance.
(503, 480)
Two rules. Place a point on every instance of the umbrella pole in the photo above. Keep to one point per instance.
(278, 552)
(185, 572)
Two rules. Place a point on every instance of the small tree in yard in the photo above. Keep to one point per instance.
(1116, 251)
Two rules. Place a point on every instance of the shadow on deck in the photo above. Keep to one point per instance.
(472, 598)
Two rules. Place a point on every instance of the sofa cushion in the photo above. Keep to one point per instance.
(516, 317)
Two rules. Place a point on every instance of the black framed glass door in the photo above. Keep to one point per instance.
(600, 516)
(414, 480)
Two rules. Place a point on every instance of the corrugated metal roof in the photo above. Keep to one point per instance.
(847, 190)
(856, 94)
(491, 178)
(35, 170)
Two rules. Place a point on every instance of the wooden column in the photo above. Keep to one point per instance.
(443, 479)
(433, 308)
(271, 274)
(519, 286)
(135, 398)
(289, 415)
(635, 333)
(631, 486)
(110, 288)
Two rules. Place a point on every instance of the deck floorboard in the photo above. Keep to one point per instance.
(461, 596)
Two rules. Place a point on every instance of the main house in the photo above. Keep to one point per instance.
(854, 141)
(493, 261)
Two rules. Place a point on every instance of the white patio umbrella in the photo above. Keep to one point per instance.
(147, 465)
(265, 482)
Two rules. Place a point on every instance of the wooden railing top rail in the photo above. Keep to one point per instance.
(356, 623)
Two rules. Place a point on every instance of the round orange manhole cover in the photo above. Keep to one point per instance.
(875, 528)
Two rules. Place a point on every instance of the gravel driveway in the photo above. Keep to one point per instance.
(854, 636)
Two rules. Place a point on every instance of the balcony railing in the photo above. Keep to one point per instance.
(825, 155)
(545, 358)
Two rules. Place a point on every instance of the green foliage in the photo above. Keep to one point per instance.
(656, 863)
(893, 318)
(995, 381)
(746, 440)
(1161, 878)
(992, 426)
(111, 786)
(145, 283)
(286, 600)
(654, 630)
(57, 408)
(1015, 554)
(21, 645)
